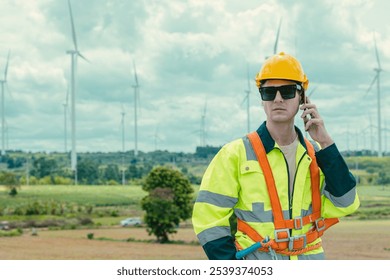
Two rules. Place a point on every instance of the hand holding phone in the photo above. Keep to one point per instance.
(314, 124)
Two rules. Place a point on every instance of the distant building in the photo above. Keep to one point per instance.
(206, 152)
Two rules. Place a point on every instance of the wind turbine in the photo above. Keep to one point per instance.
(246, 98)
(136, 98)
(74, 54)
(376, 79)
(123, 145)
(3, 82)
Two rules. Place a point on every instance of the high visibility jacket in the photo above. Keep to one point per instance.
(234, 182)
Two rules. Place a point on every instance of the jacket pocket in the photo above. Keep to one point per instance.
(248, 167)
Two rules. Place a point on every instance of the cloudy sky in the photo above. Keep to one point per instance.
(191, 58)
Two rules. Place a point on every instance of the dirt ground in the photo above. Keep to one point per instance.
(348, 240)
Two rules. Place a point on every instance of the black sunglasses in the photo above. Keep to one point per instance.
(287, 92)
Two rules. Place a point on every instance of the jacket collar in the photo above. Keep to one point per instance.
(269, 143)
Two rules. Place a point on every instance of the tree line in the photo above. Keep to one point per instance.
(98, 168)
(101, 168)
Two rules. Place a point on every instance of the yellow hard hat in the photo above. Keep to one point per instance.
(282, 67)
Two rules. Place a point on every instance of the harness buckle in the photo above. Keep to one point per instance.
(320, 224)
(298, 222)
(292, 239)
(282, 239)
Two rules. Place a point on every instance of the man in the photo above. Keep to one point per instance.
(284, 190)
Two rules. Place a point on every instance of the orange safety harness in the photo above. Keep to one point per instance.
(283, 243)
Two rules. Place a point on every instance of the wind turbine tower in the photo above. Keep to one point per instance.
(3, 82)
(376, 79)
(123, 146)
(74, 54)
(136, 99)
(246, 98)
(65, 104)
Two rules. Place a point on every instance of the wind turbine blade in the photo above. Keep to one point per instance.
(6, 67)
(277, 37)
(245, 98)
(377, 55)
(373, 81)
(83, 57)
(72, 25)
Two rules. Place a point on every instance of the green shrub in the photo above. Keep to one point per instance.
(11, 233)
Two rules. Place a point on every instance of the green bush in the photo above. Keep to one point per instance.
(112, 183)
(13, 191)
(168, 201)
(11, 233)
(51, 207)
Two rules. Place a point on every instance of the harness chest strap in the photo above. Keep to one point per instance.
(283, 240)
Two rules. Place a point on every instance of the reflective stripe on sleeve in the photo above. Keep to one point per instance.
(216, 199)
(213, 233)
(342, 201)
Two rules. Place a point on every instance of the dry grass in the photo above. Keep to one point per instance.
(358, 240)
(348, 240)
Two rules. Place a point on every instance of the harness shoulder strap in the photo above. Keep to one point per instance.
(315, 179)
(261, 155)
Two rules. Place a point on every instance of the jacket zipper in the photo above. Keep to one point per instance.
(295, 176)
(288, 180)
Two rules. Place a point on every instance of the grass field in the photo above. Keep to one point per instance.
(94, 195)
(375, 200)
(125, 195)
(109, 203)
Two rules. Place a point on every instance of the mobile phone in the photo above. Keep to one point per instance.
(303, 98)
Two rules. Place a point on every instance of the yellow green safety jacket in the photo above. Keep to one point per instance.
(234, 182)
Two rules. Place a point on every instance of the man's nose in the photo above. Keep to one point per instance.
(278, 97)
